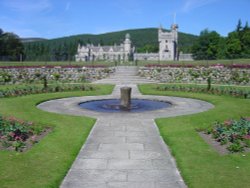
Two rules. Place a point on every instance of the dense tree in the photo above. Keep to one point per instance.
(222, 48)
(10, 46)
(207, 45)
(1, 41)
(210, 45)
(148, 48)
(233, 46)
(238, 42)
(246, 41)
(239, 26)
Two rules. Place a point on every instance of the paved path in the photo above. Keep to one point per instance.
(124, 150)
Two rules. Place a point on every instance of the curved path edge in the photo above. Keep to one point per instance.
(124, 150)
(180, 106)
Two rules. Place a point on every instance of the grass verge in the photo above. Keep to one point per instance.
(199, 163)
(139, 63)
(46, 164)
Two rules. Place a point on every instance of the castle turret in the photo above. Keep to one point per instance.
(127, 44)
(127, 47)
(168, 43)
(174, 30)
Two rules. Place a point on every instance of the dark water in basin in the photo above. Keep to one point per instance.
(113, 105)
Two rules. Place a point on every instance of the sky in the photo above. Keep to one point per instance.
(58, 18)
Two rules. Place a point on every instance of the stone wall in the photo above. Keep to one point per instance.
(155, 57)
(219, 75)
(35, 75)
(146, 56)
(185, 57)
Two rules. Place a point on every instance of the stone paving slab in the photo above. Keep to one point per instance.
(124, 150)
(132, 161)
(117, 154)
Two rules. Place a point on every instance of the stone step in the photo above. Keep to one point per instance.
(125, 75)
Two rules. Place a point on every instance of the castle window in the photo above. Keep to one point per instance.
(166, 49)
(166, 41)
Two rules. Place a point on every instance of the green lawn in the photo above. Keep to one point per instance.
(200, 165)
(46, 164)
(21, 86)
(198, 62)
(54, 63)
(139, 63)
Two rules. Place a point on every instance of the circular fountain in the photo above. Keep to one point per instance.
(124, 104)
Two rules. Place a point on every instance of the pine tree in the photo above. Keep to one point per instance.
(239, 26)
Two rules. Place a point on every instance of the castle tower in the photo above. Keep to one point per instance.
(127, 44)
(127, 47)
(168, 44)
(174, 30)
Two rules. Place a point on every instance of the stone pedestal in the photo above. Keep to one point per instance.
(125, 97)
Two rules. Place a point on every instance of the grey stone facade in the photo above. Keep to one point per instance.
(168, 50)
(146, 56)
(168, 42)
(122, 52)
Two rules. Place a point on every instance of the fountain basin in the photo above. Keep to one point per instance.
(113, 105)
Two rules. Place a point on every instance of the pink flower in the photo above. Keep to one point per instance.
(33, 138)
(3, 137)
(247, 137)
(18, 138)
(12, 134)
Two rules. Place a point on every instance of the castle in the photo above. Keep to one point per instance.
(122, 52)
(168, 50)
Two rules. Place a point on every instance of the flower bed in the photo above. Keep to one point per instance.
(19, 135)
(51, 66)
(14, 92)
(240, 66)
(35, 74)
(231, 91)
(219, 74)
(235, 135)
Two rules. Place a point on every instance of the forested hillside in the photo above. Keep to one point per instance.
(24, 40)
(63, 49)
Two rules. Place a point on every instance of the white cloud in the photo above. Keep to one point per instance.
(24, 6)
(194, 4)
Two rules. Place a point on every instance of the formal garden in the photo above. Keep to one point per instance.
(211, 148)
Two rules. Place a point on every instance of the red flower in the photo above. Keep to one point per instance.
(18, 138)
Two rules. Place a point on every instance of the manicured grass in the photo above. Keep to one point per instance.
(199, 163)
(200, 62)
(46, 164)
(139, 63)
(229, 90)
(54, 63)
(13, 86)
(243, 87)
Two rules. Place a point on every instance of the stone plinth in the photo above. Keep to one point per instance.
(125, 97)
